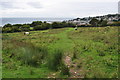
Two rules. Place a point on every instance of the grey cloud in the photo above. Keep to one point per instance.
(8, 5)
(35, 4)
(72, 9)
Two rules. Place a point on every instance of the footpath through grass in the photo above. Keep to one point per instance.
(64, 43)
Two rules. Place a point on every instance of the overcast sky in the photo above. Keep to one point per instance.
(57, 8)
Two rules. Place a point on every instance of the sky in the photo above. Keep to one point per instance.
(57, 8)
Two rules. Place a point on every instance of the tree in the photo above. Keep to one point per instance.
(18, 25)
(55, 25)
(16, 29)
(70, 25)
(38, 27)
(103, 23)
(94, 22)
(64, 24)
(7, 25)
(44, 22)
(25, 27)
(59, 24)
(35, 23)
(7, 30)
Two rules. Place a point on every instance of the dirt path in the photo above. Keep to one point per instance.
(74, 71)
(64, 40)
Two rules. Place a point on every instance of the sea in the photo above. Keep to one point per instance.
(4, 21)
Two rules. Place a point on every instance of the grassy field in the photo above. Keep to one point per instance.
(89, 52)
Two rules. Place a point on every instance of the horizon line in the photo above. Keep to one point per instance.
(63, 17)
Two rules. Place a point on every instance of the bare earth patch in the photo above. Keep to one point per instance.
(74, 71)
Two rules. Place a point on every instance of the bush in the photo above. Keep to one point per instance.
(25, 27)
(7, 30)
(32, 55)
(56, 25)
(38, 27)
(7, 25)
(55, 60)
(94, 22)
(35, 23)
(16, 29)
(103, 23)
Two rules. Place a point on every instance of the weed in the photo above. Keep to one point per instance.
(74, 53)
(65, 70)
(79, 66)
(72, 66)
(101, 54)
(31, 72)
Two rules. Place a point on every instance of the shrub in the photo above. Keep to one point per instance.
(94, 22)
(55, 60)
(7, 30)
(32, 55)
(25, 27)
(7, 25)
(35, 23)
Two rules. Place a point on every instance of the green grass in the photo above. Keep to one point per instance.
(26, 72)
(94, 49)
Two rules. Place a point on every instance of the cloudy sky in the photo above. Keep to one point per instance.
(57, 8)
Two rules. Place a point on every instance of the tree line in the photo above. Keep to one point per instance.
(39, 25)
(35, 25)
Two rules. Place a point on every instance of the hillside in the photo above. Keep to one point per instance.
(89, 52)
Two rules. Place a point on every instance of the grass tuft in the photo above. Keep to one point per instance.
(32, 55)
(55, 60)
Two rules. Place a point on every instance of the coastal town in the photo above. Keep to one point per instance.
(110, 18)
